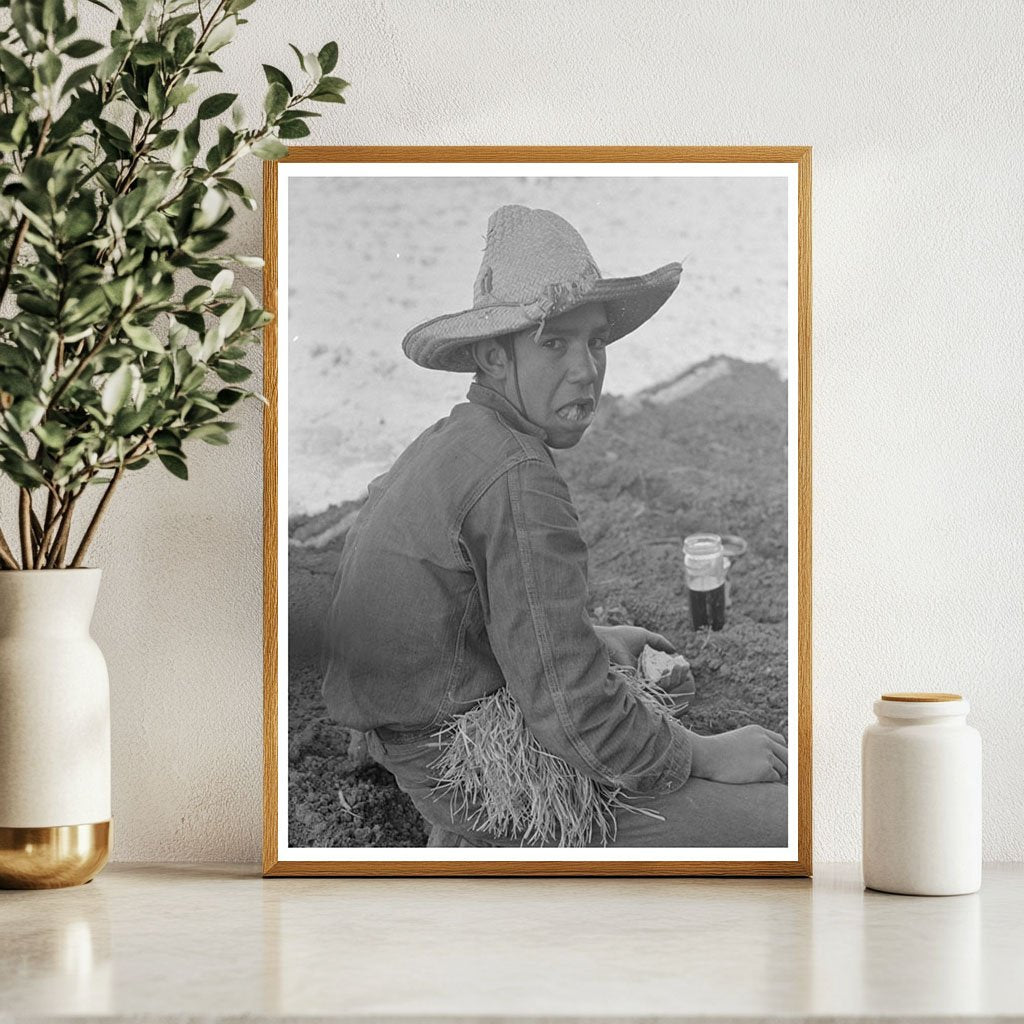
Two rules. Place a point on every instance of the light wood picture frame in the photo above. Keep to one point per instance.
(357, 248)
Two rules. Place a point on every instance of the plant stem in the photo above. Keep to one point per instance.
(19, 234)
(105, 95)
(61, 543)
(127, 176)
(137, 452)
(6, 555)
(12, 254)
(25, 521)
(97, 516)
(53, 508)
(86, 357)
(37, 531)
(208, 24)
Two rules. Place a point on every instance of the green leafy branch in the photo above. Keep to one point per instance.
(124, 334)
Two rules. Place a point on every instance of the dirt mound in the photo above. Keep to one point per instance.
(705, 452)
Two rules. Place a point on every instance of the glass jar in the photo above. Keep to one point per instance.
(704, 562)
(921, 793)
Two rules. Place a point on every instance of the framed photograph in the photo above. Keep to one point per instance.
(538, 511)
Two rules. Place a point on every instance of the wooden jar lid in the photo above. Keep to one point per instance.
(921, 698)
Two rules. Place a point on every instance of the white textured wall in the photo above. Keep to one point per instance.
(914, 113)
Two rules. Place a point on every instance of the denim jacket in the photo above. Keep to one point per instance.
(464, 572)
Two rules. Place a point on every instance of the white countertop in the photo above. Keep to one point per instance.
(175, 941)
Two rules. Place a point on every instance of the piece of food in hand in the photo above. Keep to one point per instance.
(671, 672)
(654, 665)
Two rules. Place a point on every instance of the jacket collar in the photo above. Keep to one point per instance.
(480, 394)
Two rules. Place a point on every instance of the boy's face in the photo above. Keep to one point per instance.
(561, 372)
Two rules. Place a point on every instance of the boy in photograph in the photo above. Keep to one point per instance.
(465, 571)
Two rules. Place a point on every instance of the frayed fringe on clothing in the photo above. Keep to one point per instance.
(503, 782)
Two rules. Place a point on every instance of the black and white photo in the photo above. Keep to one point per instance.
(539, 595)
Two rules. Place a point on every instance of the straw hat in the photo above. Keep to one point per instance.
(536, 266)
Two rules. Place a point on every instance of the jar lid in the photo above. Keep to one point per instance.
(921, 698)
(921, 705)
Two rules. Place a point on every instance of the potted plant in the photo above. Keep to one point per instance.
(122, 339)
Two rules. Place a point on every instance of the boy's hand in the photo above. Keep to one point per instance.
(750, 754)
(624, 643)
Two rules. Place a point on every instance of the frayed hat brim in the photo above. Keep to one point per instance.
(443, 343)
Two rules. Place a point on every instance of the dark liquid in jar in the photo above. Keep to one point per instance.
(707, 607)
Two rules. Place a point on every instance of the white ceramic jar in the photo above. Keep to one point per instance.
(921, 788)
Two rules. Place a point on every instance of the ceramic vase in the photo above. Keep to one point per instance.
(54, 731)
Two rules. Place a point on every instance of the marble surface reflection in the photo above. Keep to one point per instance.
(178, 941)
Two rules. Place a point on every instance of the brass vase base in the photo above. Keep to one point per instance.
(54, 857)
